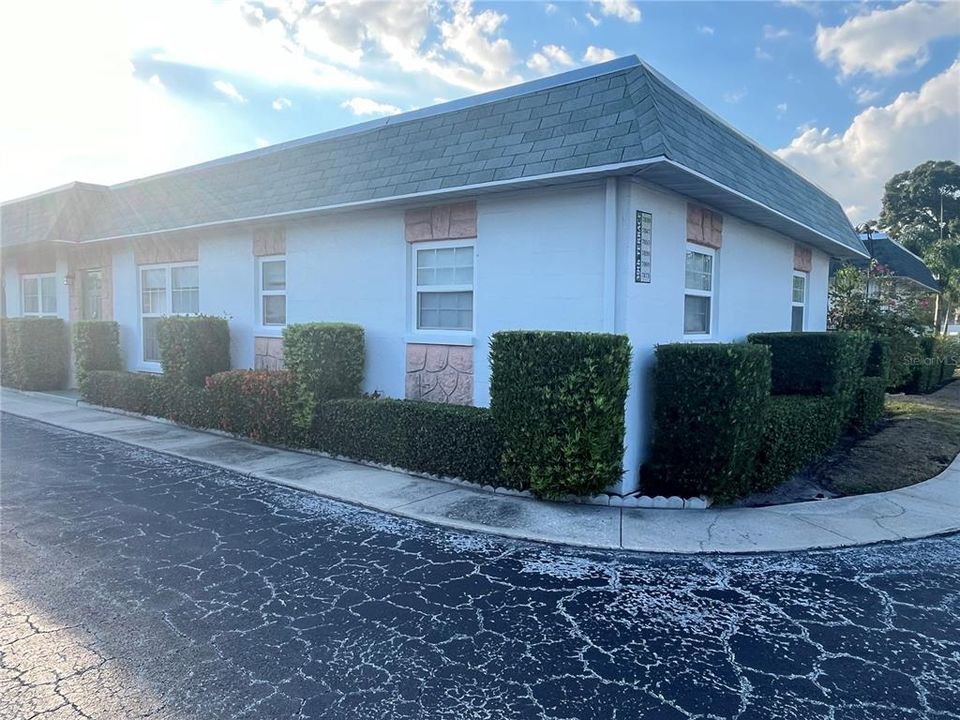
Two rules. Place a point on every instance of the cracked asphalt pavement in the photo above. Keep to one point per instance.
(134, 585)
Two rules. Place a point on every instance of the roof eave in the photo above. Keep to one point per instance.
(686, 181)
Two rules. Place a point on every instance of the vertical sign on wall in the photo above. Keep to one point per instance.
(643, 249)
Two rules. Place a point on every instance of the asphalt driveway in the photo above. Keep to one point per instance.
(135, 585)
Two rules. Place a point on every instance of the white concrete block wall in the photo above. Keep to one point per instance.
(227, 273)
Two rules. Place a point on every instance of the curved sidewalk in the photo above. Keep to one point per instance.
(929, 508)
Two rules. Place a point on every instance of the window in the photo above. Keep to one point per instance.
(444, 287)
(273, 291)
(165, 290)
(799, 309)
(698, 293)
(91, 294)
(39, 295)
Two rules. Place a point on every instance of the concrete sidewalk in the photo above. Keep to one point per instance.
(929, 508)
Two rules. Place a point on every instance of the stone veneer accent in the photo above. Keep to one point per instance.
(268, 353)
(441, 222)
(155, 250)
(37, 261)
(91, 258)
(270, 241)
(704, 227)
(440, 373)
(802, 258)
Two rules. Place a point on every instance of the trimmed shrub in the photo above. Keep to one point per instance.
(185, 404)
(558, 401)
(878, 358)
(35, 352)
(6, 373)
(135, 392)
(96, 346)
(815, 363)
(709, 406)
(269, 406)
(904, 351)
(868, 407)
(797, 430)
(193, 347)
(328, 358)
(445, 440)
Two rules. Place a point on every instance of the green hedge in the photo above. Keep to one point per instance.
(878, 358)
(904, 350)
(558, 400)
(193, 347)
(815, 363)
(797, 430)
(264, 405)
(868, 407)
(35, 352)
(96, 346)
(328, 358)
(446, 440)
(709, 407)
(135, 392)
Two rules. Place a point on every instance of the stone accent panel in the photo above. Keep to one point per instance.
(270, 241)
(704, 227)
(268, 353)
(36, 261)
(802, 258)
(440, 373)
(441, 222)
(155, 250)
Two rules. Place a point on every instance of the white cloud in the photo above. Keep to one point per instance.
(865, 95)
(623, 9)
(366, 106)
(595, 21)
(881, 141)
(774, 33)
(596, 54)
(156, 82)
(734, 96)
(884, 41)
(705, 30)
(227, 89)
(549, 58)
(781, 109)
(281, 103)
(761, 54)
(549, 8)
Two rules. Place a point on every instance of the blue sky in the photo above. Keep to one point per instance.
(848, 93)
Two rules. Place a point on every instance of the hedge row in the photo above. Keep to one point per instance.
(710, 402)
(328, 358)
(192, 348)
(266, 406)
(934, 363)
(797, 430)
(815, 363)
(719, 431)
(446, 440)
(34, 353)
(558, 399)
(96, 346)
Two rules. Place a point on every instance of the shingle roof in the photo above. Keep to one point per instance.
(895, 258)
(607, 119)
(63, 213)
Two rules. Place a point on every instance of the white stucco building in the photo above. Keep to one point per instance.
(603, 200)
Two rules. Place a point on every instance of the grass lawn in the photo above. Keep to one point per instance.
(917, 440)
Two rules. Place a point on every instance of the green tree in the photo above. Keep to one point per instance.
(921, 210)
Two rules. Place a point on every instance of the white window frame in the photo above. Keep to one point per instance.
(39, 277)
(272, 329)
(806, 295)
(453, 334)
(81, 278)
(168, 302)
(712, 293)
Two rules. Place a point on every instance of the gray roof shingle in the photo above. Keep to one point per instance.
(896, 259)
(595, 118)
